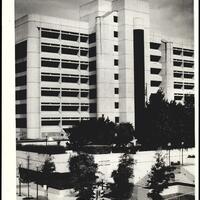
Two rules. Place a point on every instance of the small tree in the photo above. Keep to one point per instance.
(47, 169)
(122, 187)
(83, 169)
(158, 178)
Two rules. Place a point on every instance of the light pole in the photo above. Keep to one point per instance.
(182, 144)
(20, 193)
(169, 146)
(28, 159)
(37, 183)
(46, 136)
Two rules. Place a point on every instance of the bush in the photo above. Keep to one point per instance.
(95, 149)
(53, 149)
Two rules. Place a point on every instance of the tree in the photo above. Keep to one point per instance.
(125, 134)
(96, 131)
(122, 187)
(49, 166)
(83, 170)
(47, 169)
(158, 178)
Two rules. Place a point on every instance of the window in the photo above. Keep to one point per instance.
(115, 34)
(115, 47)
(92, 52)
(92, 38)
(21, 50)
(116, 90)
(116, 105)
(116, 62)
(21, 123)
(116, 76)
(115, 19)
(116, 119)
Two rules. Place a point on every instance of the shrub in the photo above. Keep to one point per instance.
(42, 149)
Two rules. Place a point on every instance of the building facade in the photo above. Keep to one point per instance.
(107, 63)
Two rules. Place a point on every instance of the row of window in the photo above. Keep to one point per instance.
(69, 50)
(184, 63)
(183, 52)
(22, 122)
(67, 35)
(179, 74)
(179, 97)
(180, 85)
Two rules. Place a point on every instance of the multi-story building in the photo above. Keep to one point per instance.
(107, 63)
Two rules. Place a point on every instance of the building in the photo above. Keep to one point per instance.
(107, 63)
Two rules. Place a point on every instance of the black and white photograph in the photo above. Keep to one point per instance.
(100, 100)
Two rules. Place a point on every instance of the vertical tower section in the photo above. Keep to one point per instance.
(133, 22)
(33, 80)
(27, 79)
(167, 69)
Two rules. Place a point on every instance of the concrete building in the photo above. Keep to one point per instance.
(107, 63)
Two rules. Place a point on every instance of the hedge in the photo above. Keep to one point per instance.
(51, 149)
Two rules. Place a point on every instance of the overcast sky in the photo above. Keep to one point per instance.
(172, 17)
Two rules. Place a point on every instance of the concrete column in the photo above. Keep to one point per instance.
(33, 82)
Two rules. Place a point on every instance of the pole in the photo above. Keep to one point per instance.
(182, 155)
(169, 156)
(19, 181)
(46, 140)
(28, 178)
(37, 185)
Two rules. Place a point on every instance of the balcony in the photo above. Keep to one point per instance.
(155, 52)
(156, 65)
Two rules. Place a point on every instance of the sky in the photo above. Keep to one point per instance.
(172, 17)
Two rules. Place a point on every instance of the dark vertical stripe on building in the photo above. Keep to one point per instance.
(139, 86)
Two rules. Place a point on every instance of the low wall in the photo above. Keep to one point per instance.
(106, 162)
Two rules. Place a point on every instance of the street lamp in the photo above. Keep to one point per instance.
(169, 146)
(28, 162)
(37, 183)
(182, 143)
(20, 193)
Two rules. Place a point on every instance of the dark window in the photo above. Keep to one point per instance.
(92, 52)
(49, 93)
(115, 47)
(84, 38)
(21, 50)
(115, 19)
(154, 45)
(116, 119)
(155, 83)
(20, 94)
(93, 108)
(20, 80)
(178, 97)
(92, 79)
(92, 66)
(49, 108)
(155, 71)
(116, 62)
(49, 63)
(154, 58)
(92, 38)
(50, 48)
(50, 123)
(21, 109)
(116, 90)
(70, 51)
(93, 94)
(116, 76)
(21, 123)
(70, 93)
(115, 34)
(20, 67)
(51, 34)
(70, 108)
(116, 105)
